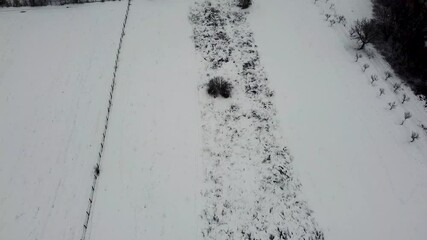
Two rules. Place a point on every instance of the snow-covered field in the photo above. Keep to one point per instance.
(305, 148)
(361, 175)
(55, 70)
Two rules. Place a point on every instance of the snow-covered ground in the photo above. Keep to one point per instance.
(178, 164)
(149, 182)
(361, 175)
(55, 70)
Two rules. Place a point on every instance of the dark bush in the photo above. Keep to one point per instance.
(244, 3)
(218, 86)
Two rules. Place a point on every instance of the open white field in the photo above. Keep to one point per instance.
(56, 66)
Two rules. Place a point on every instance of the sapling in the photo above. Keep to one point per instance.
(414, 136)
(374, 78)
(370, 54)
(332, 6)
(358, 56)
(406, 115)
(365, 66)
(332, 22)
(327, 15)
(405, 98)
(381, 91)
(392, 105)
(396, 87)
(342, 20)
(388, 75)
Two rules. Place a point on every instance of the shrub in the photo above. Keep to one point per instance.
(243, 4)
(218, 86)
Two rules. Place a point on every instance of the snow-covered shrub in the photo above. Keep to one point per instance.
(218, 86)
(244, 3)
(381, 91)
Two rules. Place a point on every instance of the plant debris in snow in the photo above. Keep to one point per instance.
(250, 191)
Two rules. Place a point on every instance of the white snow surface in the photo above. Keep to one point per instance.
(55, 71)
(175, 164)
(149, 182)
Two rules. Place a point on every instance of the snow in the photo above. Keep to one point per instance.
(55, 70)
(358, 170)
(305, 148)
(150, 172)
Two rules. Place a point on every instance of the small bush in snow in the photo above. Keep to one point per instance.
(396, 87)
(363, 31)
(218, 86)
(392, 105)
(243, 4)
(327, 15)
(405, 98)
(332, 22)
(406, 115)
(388, 75)
(414, 136)
(381, 91)
(332, 6)
(374, 78)
(365, 66)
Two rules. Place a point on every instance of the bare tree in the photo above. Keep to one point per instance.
(392, 105)
(388, 75)
(365, 66)
(358, 56)
(374, 78)
(405, 98)
(414, 136)
(406, 115)
(396, 87)
(364, 32)
(381, 91)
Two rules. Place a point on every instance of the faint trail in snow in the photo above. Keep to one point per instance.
(104, 134)
(250, 191)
